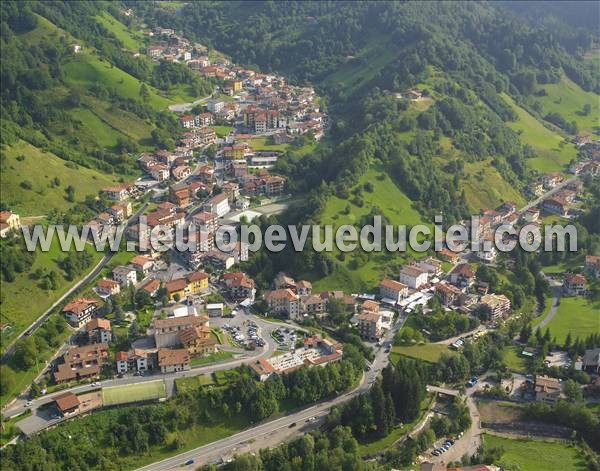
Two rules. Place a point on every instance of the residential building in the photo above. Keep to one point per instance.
(134, 360)
(98, 331)
(125, 275)
(547, 389)
(67, 404)
(171, 360)
(448, 294)
(262, 369)
(304, 288)
(462, 275)
(574, 284)
(498, 303)
(206, 221)
(214, 106)
(9, 221)
(218, 205)
(555, 205)
(151, 287)
(449, 256)
(370, 326)
(166, 331)
(107, 287)
(284, 301)
(393, 290)
(591, 361)
(198, 340)
(142, 263)
(239, 285)
(82, 362)
(413, 277)
(116, 193)
(80, 311)
(430, 265)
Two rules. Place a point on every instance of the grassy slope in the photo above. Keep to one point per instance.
(533, 455)
(40, 168)
(577, 315)
(86, 69)
(485, 187)
(131, 41)
(568, 99)
(24, 301)
(396, 207)
(552, 152)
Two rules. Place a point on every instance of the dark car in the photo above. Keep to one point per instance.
(292, 425)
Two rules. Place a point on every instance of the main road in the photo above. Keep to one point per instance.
(274, 432)
(84, 281)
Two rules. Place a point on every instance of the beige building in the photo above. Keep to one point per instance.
(370, 326)
(393, 290)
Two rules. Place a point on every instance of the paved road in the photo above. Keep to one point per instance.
(84, 281)
(274, 432)
(538, 200)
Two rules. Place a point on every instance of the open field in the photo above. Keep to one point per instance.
(266, 144)
(552, 149)
(577, 315)
(184, 385)
(567, 98)
(40, 168)
(429, 352)
(219, 356)
(513, 360)
(534, 455)
(146, 391)
(498, 411)
(485, 187)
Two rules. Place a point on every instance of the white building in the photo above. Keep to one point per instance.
(125, 275)
(413, 277)
(218, 205)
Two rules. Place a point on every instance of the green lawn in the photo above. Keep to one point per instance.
(513, 360)
(185, 385)
(40, 168)
(266, 144)
(222, 131)
(577, 315)
(553, 153)
(429, 352)
(219, 356)
(146, 391)
(535, 455)
(568, 99)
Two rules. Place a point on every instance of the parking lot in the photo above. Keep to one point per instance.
(285, 337)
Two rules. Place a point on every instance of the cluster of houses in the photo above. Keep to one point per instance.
(296, 300)
(174, 339)
(265, 103)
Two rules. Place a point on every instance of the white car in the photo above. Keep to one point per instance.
(96, 384)
(28, 403)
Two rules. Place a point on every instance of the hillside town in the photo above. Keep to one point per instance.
(429, 360)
